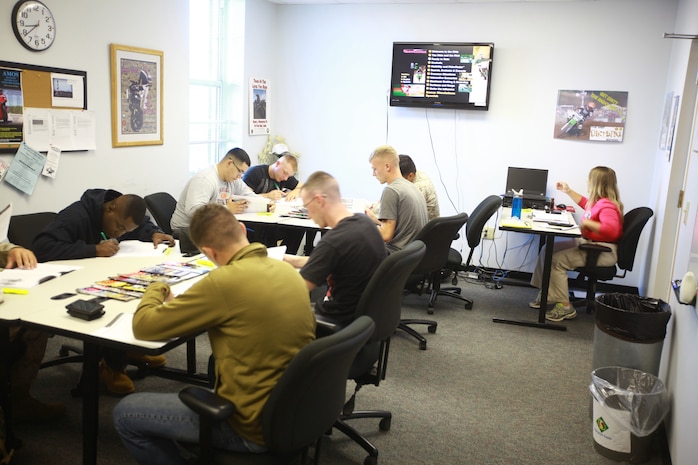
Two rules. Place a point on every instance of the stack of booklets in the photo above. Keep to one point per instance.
(130, 286)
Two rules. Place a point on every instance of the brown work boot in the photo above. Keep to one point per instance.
(152, 361)
(26, 409)
(116, 381)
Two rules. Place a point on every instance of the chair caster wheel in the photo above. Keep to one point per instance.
(371, 460)
(431, 329)
(454, 281)
(384, 424)
(468, 305)
(422, 345)
(430, 311)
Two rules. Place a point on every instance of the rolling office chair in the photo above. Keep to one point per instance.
(437, 235)
(22, 231)
(382, 301)
(302, 406)
(633, 223)
(473, 234)
(161, 205)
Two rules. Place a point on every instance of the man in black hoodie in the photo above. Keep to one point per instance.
(93, 227)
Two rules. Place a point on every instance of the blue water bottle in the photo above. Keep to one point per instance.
(516, 204)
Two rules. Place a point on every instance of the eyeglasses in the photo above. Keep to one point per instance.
(315, 197)
(240, 172)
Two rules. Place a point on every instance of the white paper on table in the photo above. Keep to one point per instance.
(276, 252)
(257, 204)
(141, 249)
(17, 278)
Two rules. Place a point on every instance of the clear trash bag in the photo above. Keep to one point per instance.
(637, 400)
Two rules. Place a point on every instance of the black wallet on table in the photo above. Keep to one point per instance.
(85, 309)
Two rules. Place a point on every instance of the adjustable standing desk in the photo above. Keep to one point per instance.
(548, 233)
(36, 309)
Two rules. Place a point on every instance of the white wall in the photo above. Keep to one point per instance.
(336, 63)
(84, 30)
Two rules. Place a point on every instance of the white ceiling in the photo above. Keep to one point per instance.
(367, 2)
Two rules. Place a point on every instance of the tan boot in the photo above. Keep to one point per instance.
(152, 361)
(116, 381)
(26, 409)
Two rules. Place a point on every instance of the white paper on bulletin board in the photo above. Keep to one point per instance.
(67, 90)
(65, 129)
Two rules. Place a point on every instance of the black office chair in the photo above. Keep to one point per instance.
(24, 228)
(473, 234)
(437, 235)
(302, 406)
(161, 205)
(633, 223)
(382, 301)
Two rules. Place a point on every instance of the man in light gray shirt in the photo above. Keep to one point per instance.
(403, 211)
(215, 184)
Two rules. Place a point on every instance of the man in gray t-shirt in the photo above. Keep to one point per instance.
(403, 211)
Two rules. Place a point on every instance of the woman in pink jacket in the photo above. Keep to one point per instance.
(602, 223)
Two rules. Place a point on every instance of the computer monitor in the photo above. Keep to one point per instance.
(533, 182)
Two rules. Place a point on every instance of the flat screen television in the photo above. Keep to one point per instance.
(441, 75)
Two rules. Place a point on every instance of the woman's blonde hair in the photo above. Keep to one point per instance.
(604, 184)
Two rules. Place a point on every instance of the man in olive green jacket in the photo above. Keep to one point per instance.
(257, 313)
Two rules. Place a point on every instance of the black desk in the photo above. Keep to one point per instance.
(548, 233)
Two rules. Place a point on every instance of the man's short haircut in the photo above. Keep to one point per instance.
(407, 165)
(386, 153)
(133, 208)
(238, 154)
(213, 225)
(291, 161)
(323, 183)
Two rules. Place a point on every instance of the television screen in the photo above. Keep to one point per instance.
(441, 75)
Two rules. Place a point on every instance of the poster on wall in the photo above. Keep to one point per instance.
(595, 115)
(259, 93)
(11, 106)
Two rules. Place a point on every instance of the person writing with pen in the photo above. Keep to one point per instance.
(215, 184)
(601, 223)
(276, 182)
(93, 227)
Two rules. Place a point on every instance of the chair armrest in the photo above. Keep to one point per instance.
(593, 251)
(325, 326)
(207, 403)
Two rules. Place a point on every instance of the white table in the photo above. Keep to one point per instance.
(37, 309)
(548, 233)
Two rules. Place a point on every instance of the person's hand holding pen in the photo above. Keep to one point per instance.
(107, 247)
(276, 194)
(237, 206)
(292, 195)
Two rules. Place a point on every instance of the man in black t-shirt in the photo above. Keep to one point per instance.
(346, 256)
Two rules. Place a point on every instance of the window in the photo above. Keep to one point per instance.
(216, 51)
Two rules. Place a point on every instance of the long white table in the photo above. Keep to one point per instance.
(548, 232)
(38, 310)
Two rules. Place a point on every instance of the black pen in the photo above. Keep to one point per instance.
(46, 278)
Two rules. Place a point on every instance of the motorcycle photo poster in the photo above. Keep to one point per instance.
(136, 96)
(595, 115)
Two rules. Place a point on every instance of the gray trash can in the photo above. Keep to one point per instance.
(628, 406)
(630, 331)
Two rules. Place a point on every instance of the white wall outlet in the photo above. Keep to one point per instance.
(488, 233)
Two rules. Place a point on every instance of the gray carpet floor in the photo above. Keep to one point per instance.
(482, 393)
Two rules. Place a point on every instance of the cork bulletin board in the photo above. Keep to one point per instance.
(31, 86)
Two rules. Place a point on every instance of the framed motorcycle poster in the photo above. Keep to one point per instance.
(591, 115)
(136, 96)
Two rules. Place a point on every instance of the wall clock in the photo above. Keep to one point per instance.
(34, 25)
